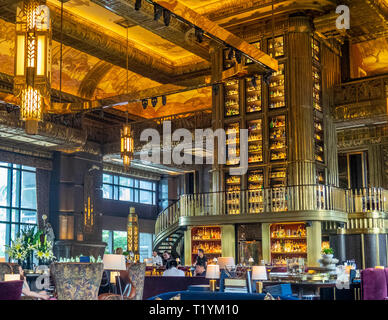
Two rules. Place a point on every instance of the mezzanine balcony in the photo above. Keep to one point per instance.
(282, 204)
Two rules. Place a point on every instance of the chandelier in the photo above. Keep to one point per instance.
(32, 61)
(127, 145)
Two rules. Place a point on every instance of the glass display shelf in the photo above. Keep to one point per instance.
(317, 103)
(255, 141)
(279, 46)
(277, 94)
(233, 188)
(288, 241)
(277, 138)
(253, 101)
(233, 144)
(232, 98)
(319, 140)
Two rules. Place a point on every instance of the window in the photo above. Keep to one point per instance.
(128, 189)
(353, 170)
(145, 241)
(17, 201)
(118, 239)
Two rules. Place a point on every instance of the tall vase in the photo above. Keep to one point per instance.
(27, 263)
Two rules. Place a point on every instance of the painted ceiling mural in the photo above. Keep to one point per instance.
(7, 47)
(115, 82)
(369, 58)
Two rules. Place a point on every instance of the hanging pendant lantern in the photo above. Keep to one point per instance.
(32, 62)
(127, 145)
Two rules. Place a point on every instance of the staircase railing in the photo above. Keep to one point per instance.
(274, 200)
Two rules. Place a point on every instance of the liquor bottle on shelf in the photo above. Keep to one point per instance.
(232, 105)
(253, 93)
(278, 43)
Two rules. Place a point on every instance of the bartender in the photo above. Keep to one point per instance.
(201, 259)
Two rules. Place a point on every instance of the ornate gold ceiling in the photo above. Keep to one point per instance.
(162, 59)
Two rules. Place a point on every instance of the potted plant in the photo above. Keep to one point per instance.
(327, 253)
(28, 244)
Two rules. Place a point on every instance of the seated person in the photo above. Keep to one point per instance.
(199, 271)
(26, 289)
(172, 270)
(166, 257)
(119, 250)
(156, 259)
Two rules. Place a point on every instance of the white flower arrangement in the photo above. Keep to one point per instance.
(29, 243)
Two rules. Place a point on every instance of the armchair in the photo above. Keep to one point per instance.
(136, 273)
(373, 284)
(77, 281)
(5, 268)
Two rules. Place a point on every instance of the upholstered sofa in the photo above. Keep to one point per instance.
(196, 295)
(77, 281)
(11, 290)
(374, 284)
(155, 285)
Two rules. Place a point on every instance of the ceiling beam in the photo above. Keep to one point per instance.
(176, 31)
(267, 63)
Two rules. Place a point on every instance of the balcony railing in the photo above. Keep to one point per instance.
(361, 98)
(291, 198)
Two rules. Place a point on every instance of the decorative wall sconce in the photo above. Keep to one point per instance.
(133, 234)
(88, 216)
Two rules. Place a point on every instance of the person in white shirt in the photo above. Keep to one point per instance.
(156, 259)
(172, 270)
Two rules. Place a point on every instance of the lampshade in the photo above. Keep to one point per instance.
(259, 273)
(11, 277)
(225, 261)
(2, 259)
(213, 271)
(114, 262)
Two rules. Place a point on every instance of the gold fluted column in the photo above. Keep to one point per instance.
(216, 55)
(331, 77)
(314, 240)
(376, 166)
(301, 168)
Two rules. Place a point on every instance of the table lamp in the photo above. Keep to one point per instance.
(2, 259)
(11, 277)
(226, 261)
(213, 273)
(259, 274)
(114, 263)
